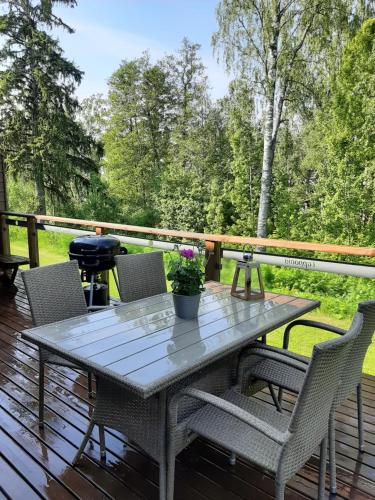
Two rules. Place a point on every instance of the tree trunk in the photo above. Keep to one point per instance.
(40, 191)
(270, 130)
(266, 181)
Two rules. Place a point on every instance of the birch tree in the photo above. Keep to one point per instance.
(283, 46)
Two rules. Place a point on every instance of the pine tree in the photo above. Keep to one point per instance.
(39, 137)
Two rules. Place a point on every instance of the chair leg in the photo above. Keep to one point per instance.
(171, 463)
(84, 442)
(166, 452)
(322, 469)
(361, 436)
(89, 385)
(171, 467)
(166, 482)
(274, 398)
(280, 396)
(41, 393)
(102, 442)
(279, 491)
(332, 453)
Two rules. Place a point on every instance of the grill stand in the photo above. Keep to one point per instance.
(93, 281)
(99, 278)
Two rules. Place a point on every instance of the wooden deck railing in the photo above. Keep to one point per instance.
(28, 220)
(212, 242)
(216, 238)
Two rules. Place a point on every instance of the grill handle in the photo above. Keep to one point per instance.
(90, 264)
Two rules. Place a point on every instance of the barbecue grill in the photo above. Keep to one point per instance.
(96, 256)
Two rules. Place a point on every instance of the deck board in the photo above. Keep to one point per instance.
(35, 463)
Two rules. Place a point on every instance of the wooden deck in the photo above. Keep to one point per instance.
(35, 463)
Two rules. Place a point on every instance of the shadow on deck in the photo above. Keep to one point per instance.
(35, 463)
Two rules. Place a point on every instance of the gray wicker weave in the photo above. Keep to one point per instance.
(257, 432)
(140, 275)
(287, 371)
(144, 421)
(55, 293)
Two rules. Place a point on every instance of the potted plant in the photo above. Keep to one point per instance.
(187, 276)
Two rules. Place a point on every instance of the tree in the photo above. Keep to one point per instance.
(282, 45)
(39, 136)
(340, 148)
(246, 144)
(185, 179)
(93, 115)
(137, 137)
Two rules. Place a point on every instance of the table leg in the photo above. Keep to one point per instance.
(163, 445)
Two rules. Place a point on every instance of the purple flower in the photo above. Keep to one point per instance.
(187, 253)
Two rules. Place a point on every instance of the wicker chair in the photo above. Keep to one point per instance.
(55, 293)
(287, 371)
(140, 275)
(256, 431)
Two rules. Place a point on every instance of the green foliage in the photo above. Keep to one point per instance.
(340, 149)
(186, 272)
(283, 49)
(96, 204)
(39, 137)
(21, 196)
(93, 115)
(137, 136)
(245, 139)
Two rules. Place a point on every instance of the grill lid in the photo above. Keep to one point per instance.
(95, 245)
(95, 253)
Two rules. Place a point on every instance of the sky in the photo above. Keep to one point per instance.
(109, 31)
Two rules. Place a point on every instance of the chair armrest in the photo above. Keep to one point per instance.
(266, 351)
(282, 357)
(265, 347)
(235, 411)
(310, 323)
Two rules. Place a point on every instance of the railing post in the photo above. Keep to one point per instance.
(213, 258)
(4, 236)
(32, 239)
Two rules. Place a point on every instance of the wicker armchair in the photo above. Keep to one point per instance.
(55, 293)
(286, 370)
(256, 431)
(140, 275)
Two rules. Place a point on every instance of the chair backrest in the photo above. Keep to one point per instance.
(54, 292)
(140, 275)
(353, 371)
(309, 421)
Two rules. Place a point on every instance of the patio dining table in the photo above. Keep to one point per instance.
(141, 353)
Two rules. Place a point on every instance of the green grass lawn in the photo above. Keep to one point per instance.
(53, 248)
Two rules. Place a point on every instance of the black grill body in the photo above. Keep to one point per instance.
(95, 253)
(95, 256)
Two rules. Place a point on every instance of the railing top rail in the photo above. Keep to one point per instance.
(238, 240)
(16, 214)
